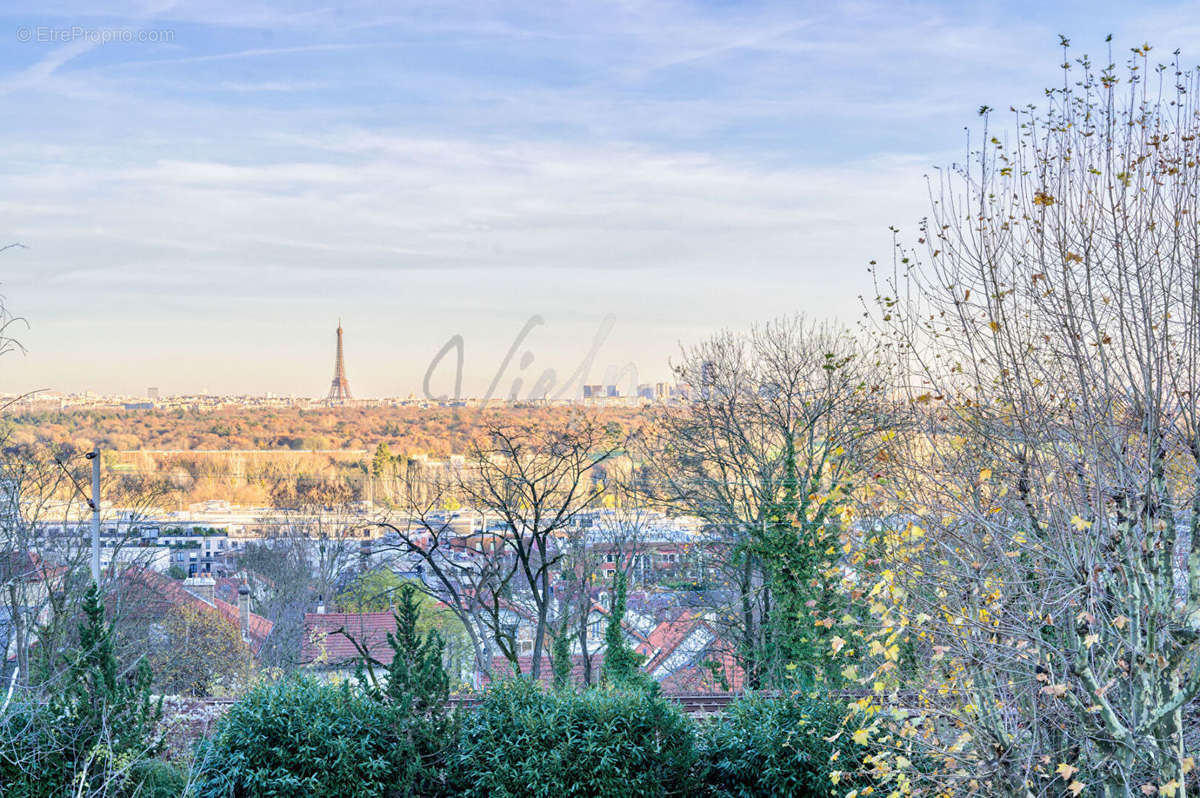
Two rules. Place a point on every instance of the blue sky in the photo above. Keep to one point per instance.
(202, 202)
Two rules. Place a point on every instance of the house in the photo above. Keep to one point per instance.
(146, 595)
(28, 580)
(329, 649)
(687, 654)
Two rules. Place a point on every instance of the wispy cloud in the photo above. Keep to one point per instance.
(38, 75)
(456, 167)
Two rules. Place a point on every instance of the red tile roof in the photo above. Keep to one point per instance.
(700, 679)
(665, 638)
(151, 594)
(326, 641)
(502, 668)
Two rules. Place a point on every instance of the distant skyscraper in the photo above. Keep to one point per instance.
(152, 393)
(339, 389)
(611, 390)
(592, 392)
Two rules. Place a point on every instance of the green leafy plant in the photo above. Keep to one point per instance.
(622, 666)
(298, 737)
(602, 743)
(415, 688)
(781, 747)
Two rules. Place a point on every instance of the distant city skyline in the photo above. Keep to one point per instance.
(205, 187)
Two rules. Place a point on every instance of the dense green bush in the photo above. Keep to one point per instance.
(157, 779)
(599, 743)
(390, 735)
(779, 747)
(298, 737)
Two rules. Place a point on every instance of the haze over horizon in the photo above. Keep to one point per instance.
(200, 207)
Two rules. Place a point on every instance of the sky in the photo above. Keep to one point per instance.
(203, 189)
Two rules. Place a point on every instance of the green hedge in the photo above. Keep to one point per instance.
(303, 738)
(523, 742)
(298, 737)
(779, 747)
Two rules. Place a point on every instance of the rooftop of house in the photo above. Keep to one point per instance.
(157, 593)
(329, 637)
(681, 652)
(29, 566)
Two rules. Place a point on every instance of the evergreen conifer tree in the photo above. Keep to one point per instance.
(107, 717)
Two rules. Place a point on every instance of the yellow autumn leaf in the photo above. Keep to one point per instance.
(836, 644)
(1080, 523)
(1066, 771)
(1090, 640)
(861, 736)
(1076, 787)
(985, 474)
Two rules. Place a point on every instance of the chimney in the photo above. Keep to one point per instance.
(203, 588)
(320, 605)
(244, 610)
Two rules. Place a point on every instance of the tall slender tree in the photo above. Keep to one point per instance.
(1049, 333)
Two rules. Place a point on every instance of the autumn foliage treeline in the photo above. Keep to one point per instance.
(175, 447)
(435, 431)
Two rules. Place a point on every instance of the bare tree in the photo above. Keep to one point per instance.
(310, 550)
(536, 480)
(1050, 333)
(320, 519)
(45, 549)
(470, 573)
(611, 535)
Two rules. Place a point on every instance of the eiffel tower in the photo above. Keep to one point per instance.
(339, 389)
